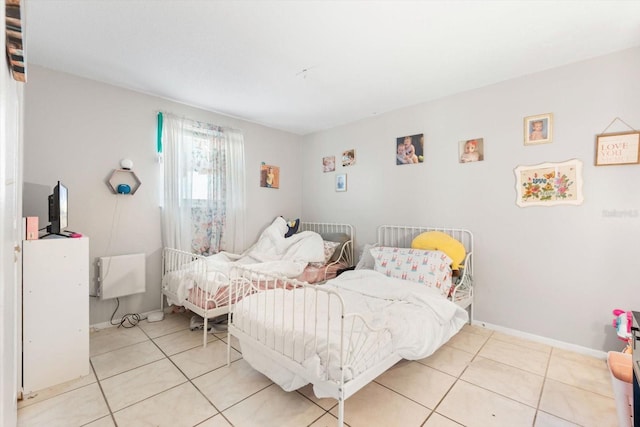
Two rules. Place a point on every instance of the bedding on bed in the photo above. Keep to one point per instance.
(412, 322)
(272, 254)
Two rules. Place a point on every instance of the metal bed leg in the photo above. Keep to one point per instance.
(204, 335)
(340, 411)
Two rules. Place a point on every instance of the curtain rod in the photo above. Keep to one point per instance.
(229, 128)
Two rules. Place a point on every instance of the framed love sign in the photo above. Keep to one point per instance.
(618, 149)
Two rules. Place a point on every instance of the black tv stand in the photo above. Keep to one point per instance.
(55, 234)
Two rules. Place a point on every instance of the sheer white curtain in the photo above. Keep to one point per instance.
(204, 187)
(234, 236)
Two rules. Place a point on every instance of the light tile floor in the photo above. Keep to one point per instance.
(158, 374)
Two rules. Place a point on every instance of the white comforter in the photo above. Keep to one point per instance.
(415, 322)
(272, 254)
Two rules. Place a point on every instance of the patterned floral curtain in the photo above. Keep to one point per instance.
(198, 174)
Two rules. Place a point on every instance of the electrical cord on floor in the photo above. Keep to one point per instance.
(129, 320)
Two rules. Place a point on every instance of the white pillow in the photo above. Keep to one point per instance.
(431, 268)
(366, 259)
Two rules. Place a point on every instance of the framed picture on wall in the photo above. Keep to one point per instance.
(349, 158)
(471, 150)
(341, 182)
(618, 149)
(410, 149)
(269, 176)
(549, 184)
(538, 129)
(329, 164)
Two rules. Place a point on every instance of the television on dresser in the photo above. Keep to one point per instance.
(58, 209)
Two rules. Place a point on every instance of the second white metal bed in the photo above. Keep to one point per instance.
(209, 294)
(298, 334)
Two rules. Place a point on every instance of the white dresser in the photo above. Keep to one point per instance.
(55, 311)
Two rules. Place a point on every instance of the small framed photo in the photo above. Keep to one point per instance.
(349, 158)
(618, 149)
(269, 176)
(341, 182)
(538, 129)
(410, 149)
(329, 164)
(471, 150)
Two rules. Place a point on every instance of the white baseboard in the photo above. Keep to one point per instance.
(543, 340)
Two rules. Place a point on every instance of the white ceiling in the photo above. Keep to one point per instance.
(246, 58)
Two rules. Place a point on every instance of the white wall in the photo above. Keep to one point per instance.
(11, 103)
(555, 272)
(78, 130)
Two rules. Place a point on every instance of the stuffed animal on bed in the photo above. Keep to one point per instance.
(292, 227)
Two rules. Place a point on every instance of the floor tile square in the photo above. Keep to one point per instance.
(579, 406)
(515, 355)
(375, 405)
(506, 380)
(109, 339)
(467, 341)
(274, 407)
(73, 408)
(200, 360)
(418, 382)
(581, 371)
(227, 386)
(172, 322)
(137, 384)
(179, 341)
(473, 406)
(182, 405)
(126, 358)
(449, 360)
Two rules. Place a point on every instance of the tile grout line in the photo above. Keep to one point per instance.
(113, 418)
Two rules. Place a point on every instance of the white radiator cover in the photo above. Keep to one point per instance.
(121, 275)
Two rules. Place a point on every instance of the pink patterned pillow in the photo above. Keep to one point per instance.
(431, 268)
(329, 249)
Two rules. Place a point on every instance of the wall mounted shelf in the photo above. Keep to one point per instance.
(124, 176)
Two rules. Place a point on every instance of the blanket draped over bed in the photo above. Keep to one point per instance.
(415, 321)
(272, 253)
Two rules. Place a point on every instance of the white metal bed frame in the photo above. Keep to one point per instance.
(401, 236)
(353, 327)
(182, 265)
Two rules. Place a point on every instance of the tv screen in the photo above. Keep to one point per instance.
(58, 209)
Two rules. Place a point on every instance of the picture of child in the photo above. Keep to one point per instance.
(329, 164)
(537, 131)
(348, 158)
(341, 182)
(409, 149)
(401, 158)
(471, 150)
(269, 176)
